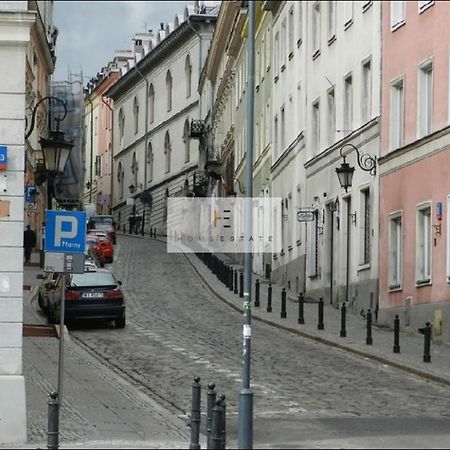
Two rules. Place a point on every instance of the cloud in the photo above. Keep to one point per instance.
(89, 32)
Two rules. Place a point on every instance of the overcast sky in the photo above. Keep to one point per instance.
(90, 31)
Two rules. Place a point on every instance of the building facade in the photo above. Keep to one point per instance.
(414, 166)
(154, 103)
(16, 21)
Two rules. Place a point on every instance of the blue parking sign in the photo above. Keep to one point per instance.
(65, 231)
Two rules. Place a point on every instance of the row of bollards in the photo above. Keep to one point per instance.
(215, 417)
(234, 280)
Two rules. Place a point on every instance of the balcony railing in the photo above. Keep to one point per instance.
(198, 128)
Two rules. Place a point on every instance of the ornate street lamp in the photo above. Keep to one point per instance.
(366, 162)
(55, 149)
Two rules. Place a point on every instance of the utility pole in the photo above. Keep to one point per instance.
(246, 394)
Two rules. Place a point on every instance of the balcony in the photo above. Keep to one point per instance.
(197, 129)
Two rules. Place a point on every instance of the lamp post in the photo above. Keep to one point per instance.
(366, 162)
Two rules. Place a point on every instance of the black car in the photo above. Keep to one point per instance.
(95, 295)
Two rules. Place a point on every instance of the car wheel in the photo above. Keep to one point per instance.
(120, 321)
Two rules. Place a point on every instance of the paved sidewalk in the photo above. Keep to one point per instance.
(101, 408)
(409, 359)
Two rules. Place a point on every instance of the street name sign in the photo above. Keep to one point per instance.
(305, 216)
(65, 231)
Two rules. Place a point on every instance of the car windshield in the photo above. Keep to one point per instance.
(93, 279)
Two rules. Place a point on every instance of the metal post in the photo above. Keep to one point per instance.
(427, 342)
(269, 298)
(195, 414)
(241, 284)
(283, 304)
(301, 319)
(396, 334)
(230, 278)
(235, 282)
(257, 304)
(369, 328)
(320, 324)
(343, 313)
(246, 394)
(53, 421)
(210, 402)
(223, 405)
(216, 425)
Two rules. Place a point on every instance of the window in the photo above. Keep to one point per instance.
(120, 178)
(348, 13)
(291, 32)
(188, 75)
(348, 105)
(134, 169)
(366, 99)
(121, 126)
(331, 117)
(365, 227)
(424, 4)
(267, 127)
(316, 126)
(423, 245)
(395, 251)
(283, 44)
(95, 125)
(169, 90)
(300, 23)
(397, 13)
(299, 107)
(282, 130)
(331, 22)
(186, 141)
(262, 60)
(150, 161)
(275, 136)
(167, 151)
(312, 265)
(98, 165)
(316, 29)
(397, 118)
(425, 102)
(136, 115)
(276, 56)
(268, 49)
(151, 103)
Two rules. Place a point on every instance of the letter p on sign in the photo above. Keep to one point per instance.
(65, 228)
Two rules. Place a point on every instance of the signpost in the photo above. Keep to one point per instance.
(65, 242)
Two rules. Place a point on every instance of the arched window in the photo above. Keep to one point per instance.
(120, 177)
(136, 115)
(150, 161)
(169, 90)
(167, 151)
(186, 141)
(151, 103)
(121, 126)
(134, 169)
(188, 75)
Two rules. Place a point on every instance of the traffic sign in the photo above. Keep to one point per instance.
(65, 231)
(305, 216)
(3, 157)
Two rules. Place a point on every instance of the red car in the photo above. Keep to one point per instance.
(101, 246)
(104, 223)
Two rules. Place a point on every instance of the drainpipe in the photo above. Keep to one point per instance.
(145, 139)
(111, 156)
(91, 150)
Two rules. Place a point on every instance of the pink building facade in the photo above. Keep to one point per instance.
(414, 166)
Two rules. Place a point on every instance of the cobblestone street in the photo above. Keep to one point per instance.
(305, 392)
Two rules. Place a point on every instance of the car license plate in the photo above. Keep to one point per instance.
(93, 295)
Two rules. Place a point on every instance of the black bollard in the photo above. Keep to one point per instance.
(210, 402)
(369, 327)
(301, 319)
(230, 278)
(241, 284)
(53, 421)
(343, 314)
(235, 282)
(427, 342)
(216, 425)
(223, 405)
(257, 304)
(396, 334)
(283, 304)
(269, 298)
(195, 415)
(320, 324)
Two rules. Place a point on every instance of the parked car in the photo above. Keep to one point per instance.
(93, 295)
(101, 245)
(104, 223)
(94, 250)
